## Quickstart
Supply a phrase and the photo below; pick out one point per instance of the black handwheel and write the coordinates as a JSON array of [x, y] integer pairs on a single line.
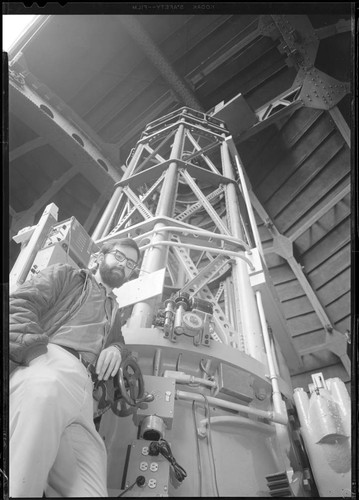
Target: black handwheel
[[130, 381], [125, 394]]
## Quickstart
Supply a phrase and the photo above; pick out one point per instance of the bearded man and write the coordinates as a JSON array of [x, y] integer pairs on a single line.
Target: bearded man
[[62, 321]]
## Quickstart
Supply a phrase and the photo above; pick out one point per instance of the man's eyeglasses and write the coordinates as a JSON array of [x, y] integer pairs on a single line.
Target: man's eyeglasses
[[120, 257]]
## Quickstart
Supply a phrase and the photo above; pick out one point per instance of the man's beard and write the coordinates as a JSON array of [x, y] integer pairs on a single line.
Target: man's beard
[[112, 276]]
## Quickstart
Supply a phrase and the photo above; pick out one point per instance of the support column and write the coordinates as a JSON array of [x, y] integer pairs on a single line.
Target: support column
[[156, 257], [247, 305], [107, 215]]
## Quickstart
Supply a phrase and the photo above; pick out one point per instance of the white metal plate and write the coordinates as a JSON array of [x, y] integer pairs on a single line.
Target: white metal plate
[[142, 288]]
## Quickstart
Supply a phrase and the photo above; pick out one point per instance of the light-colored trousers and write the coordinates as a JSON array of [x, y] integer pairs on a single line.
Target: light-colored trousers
[[54, 446]]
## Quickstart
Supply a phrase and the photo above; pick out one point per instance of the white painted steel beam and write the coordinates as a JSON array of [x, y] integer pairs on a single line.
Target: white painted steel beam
[[26, 148], [341, 123]]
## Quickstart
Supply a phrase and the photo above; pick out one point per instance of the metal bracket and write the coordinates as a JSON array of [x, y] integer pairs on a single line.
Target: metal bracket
[[299, 40], [17, 78], [320, 90], [318, 383]]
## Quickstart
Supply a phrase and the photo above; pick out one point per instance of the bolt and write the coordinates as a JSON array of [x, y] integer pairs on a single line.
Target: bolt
[[261, 395]]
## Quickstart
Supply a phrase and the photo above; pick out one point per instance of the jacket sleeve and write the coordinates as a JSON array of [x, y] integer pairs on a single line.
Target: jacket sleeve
[[27, 306], [116, 338]]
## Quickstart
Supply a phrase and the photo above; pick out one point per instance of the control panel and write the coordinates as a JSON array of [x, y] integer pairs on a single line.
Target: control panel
[[154, 469]]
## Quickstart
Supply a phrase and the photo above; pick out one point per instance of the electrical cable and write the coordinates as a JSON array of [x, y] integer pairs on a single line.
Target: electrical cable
[[208, 415], [140, 481], [201, 365], [163, 447], [198, 451]]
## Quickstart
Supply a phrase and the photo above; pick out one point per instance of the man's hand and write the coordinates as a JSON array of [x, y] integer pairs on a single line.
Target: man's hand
[[108, 362]]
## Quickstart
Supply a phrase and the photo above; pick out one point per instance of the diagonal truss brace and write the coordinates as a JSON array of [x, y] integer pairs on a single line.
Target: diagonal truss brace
[[200, 151], [198, 206], [151, 190], [203, 200], [225, 332], [140, 206], [206, 275]]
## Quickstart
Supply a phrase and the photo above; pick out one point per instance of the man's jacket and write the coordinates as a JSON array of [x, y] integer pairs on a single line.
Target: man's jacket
[[44, 303]]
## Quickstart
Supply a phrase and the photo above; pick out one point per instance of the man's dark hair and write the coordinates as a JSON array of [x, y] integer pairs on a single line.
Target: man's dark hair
[[126, 242]]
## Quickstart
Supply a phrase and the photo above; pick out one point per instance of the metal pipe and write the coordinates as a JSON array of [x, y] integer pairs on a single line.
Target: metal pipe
[[197, 247], [274, 356], [247, 199], [247, 305], [184, 378], [241, 422], [176, 229], [278, 403], [269, 415], [107, 215], [157, 363]]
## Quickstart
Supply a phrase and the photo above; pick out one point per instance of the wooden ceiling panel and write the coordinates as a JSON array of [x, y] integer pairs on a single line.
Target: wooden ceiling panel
[[281, 274], [303, 149], [330, 290], [326, 246], [326, 223], [311, 170], [345, 325], [297, 306], [339, 308], [331, 267], [299, 123], [289, 290], [304, 324], [197, 49]]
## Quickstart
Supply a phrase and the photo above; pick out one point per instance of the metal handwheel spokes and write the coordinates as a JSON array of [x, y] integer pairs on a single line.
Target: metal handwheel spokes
[[130, 381]]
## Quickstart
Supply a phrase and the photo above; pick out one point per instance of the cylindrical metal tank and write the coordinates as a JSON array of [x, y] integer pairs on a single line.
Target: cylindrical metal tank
[[325, 426]]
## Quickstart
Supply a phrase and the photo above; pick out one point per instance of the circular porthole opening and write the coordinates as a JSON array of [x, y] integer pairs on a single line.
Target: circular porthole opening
[[103, 164], [46, 110], [78, 139]]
